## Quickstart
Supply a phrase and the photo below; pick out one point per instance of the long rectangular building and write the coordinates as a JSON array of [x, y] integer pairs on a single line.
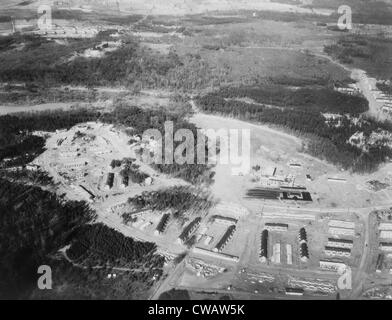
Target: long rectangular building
[[161, 227], [341, 231], [386, 246], [289, 253], [385, 226], [224, 220], [263, 256], [341, 224], [340, 243], [276, 253], [225, 238], [188, 230], [331, 265], [341, 252], [386, 234], [270, 226]]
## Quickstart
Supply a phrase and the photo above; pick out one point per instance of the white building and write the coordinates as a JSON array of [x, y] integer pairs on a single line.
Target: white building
[[386, 234], [279, 227], [331, 265], [341, 224], [341, 231]]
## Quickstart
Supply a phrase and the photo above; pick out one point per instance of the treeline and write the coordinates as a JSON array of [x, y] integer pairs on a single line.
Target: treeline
[[304, 99], [42, 95], [50, 63], [325, 139], [33, 225], [347, 49], [179, 199], [99, 245], [367, 52], [24, 151], [132, 65], [35, 177]]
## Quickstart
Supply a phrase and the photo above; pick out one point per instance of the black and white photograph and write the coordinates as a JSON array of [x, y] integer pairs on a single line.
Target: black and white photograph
[[172, 150]]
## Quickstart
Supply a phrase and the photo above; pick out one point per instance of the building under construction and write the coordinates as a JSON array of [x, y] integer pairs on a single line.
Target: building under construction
[[303, 245], [225, 238], [263, 256], [110, 180], [341, 252], [161, 227], [302, 236], [280, 227], [340, 243], [189, 229]]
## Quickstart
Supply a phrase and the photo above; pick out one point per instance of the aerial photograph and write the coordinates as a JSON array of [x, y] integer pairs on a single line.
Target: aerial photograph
[[195, 150]]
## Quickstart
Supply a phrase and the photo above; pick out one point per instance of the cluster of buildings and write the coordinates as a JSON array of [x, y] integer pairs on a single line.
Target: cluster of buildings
[[276, 247], [67, 32], [338, 246], [384, 98], [378, 137], [351, 89], [268, 177]]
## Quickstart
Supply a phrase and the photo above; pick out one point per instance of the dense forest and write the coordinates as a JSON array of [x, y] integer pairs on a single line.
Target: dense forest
[[17, 142], [325, 139], [40, 95], [307, 99], [178, 199], [367, 52], [34, 224], [99, 245]]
